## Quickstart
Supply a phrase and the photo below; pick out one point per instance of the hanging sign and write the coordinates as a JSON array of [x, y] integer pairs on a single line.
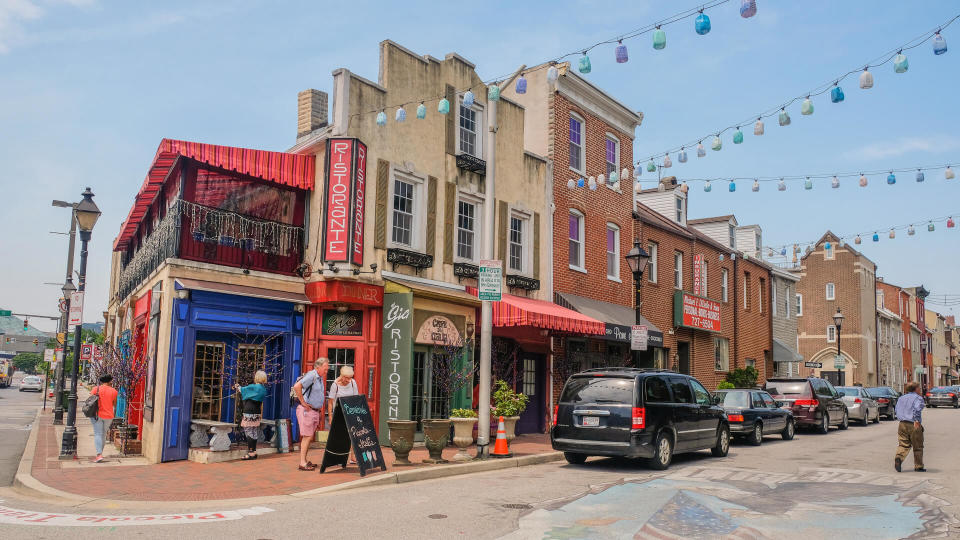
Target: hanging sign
[[489, 281], [76, 309], [343, 197], [639, 337], [438, 330], [48, 356], [348, 323], [692, 311], [396, 366], [352, 427], [86, 351], [698, 274]]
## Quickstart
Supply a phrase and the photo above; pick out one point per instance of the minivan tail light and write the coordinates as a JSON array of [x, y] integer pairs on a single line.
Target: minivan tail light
[[639, 418], [556, 408], [883, 400], [929, 394], [950, 394], [857, 400], [735, 417], [806, 403]]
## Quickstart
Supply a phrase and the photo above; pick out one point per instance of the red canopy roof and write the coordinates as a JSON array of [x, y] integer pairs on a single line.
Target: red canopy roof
[[520, 311], [291, 170]]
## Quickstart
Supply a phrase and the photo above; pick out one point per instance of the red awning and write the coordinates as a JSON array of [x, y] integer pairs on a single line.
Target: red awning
[[520, 311], [293, 170]]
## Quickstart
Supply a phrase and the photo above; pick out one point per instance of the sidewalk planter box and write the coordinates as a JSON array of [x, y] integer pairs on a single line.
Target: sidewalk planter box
[[436, 434], [130, 447], [463, 437], [401, 440]]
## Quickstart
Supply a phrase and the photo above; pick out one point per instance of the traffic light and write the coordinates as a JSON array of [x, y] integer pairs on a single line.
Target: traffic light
[[36, 341], [26, 324], [8, 340]]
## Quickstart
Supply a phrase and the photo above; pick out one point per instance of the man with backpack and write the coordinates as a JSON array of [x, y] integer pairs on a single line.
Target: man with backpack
[[310, 391]]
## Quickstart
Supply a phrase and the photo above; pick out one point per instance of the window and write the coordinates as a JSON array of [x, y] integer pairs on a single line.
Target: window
[[681, 390], [724, 284], [530, 376], [879, 298], [653, 265], [763, 294], [773, 304], [576, 143], [518, 227], [576, 240], [746, 291], [759, 242], [403, 198], [678, 270], [656, 390], [721, 354], [831, 291], [613, 252], [703, 278], [831, 334], [828, 252], [733, 236], [799, 304], [786, 304], [679, 208], [471, 140], [612, 155], [466, 229], [208, 380], [700, 393]]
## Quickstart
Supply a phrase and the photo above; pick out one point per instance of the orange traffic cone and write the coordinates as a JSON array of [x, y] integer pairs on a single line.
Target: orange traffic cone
[[500, 449]]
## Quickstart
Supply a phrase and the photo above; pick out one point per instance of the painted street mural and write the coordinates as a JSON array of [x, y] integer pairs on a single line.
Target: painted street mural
[[713, 503]]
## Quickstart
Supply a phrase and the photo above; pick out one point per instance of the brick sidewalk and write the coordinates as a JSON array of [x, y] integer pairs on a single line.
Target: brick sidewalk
[[275, 474]]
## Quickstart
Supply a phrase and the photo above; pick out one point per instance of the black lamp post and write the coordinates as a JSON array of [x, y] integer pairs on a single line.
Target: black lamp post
[[637, 260], [87, 214], [68, 289], [838, 322]]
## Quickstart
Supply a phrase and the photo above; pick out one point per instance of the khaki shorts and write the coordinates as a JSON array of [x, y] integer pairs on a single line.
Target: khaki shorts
[[308, 420]]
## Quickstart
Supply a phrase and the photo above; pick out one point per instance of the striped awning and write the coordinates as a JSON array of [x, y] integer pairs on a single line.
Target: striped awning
[[292, 170], [520, 311]]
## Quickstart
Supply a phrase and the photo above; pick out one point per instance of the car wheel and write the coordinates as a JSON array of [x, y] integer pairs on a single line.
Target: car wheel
[[932, 406], [756, 438], [825, 423], [663, 448], [574, 458], [788, 431], [866, 418], [876, 419], [845, 423], [723, 443], [956, 404]]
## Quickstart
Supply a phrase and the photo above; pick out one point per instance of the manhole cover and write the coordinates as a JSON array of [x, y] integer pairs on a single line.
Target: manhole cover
[[437, 516], [518, 506]]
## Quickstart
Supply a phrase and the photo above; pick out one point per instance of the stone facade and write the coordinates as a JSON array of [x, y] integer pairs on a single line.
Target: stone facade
[[889, 350]]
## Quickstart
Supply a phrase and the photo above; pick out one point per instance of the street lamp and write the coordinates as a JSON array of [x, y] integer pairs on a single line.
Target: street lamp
[[838, 322], [87, 213], [67, 289], [637, 260]]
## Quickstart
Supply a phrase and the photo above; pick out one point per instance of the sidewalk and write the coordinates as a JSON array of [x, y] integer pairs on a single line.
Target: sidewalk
[[271, 475]]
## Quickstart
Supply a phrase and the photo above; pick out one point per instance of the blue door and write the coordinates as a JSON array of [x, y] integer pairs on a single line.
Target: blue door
[[176, 424]]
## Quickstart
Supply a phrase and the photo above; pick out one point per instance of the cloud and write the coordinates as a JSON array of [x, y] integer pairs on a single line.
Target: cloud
[[15, 14], [902, 146]]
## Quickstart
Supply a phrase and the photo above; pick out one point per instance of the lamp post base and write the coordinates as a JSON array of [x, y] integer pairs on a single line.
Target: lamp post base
[[58, 415], [68, 445]]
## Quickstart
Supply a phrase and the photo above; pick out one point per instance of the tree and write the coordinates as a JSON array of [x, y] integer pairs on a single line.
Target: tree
[[28, 362], [743, 377]]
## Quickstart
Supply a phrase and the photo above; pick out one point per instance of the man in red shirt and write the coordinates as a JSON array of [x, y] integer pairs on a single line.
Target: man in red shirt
[[106, 403]]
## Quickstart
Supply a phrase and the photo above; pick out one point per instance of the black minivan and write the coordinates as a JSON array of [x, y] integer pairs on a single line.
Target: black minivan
[[630, 412]]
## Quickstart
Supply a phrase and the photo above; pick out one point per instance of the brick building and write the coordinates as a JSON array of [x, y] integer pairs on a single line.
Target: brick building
[[834, 276], [897, 301]]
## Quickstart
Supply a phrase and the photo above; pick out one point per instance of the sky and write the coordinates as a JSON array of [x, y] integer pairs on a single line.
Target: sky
[[90, 87]]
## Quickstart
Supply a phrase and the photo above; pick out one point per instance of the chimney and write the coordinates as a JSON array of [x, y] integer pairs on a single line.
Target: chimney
[[311, 111]]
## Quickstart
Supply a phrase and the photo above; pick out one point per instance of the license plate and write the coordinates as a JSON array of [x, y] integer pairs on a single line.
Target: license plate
[[591, 420]]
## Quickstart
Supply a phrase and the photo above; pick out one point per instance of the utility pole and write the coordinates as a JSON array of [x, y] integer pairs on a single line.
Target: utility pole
[[486, 308]]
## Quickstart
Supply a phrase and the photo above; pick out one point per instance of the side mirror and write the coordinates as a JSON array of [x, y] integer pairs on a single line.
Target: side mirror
[[780, 403]]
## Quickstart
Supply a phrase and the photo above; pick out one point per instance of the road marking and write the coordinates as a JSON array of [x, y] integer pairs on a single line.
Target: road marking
[[13, 516]]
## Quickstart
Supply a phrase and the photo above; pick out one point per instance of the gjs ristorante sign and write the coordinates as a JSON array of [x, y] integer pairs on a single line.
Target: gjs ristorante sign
[[345, 180]]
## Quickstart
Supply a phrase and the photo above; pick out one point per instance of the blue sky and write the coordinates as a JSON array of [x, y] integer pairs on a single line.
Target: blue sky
[[90, 87]]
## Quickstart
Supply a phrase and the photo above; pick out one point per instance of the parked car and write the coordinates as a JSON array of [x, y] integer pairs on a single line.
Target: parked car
[[631, 412], [943, 395], [814, 402], [31, 382], [753, 414], [886, 398], [859, 404]]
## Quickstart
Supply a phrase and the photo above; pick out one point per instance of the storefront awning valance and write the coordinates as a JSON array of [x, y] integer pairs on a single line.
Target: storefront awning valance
[[783, 353], [240, 290], [618, 319], [292, 170], [520, 311]]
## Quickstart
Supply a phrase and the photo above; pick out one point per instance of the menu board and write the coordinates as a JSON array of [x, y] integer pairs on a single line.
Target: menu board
[[352, 427]]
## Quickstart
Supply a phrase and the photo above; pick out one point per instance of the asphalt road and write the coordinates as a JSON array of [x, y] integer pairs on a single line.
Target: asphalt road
[[839, 485], [17, 412]]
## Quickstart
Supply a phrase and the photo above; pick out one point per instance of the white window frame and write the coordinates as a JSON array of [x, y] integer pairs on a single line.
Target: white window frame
[[583, 139], [725, 285], [580, 248], [653, 249], [615, 275], [786, 304], [732, 231], [830, 291], [828, 253], [678, 270], [799, 305], [481, 125], [679, 208], [418, 234], [773, 303], [724, 353], [525, 243], [831, 334], [880, 298], [477, 203], [616, 141]]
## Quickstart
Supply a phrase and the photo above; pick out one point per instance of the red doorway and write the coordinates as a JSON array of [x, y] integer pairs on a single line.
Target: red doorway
[[135, 403]]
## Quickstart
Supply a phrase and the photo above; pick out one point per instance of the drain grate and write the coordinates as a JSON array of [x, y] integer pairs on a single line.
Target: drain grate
[[517, 506], [437, 516]]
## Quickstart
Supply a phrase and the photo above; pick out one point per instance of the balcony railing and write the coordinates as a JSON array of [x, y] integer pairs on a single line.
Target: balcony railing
[[201, 233]]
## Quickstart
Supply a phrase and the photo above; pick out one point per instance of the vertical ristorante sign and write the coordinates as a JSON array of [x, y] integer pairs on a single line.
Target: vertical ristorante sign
[[346, 180], [396, 367]]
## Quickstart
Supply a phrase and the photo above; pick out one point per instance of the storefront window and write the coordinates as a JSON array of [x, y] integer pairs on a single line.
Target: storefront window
[[529, 376], [338, 358], [250, 359], [208, 380]]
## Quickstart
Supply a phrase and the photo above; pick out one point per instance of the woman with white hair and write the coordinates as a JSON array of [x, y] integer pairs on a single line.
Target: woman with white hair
[[342, 386], [252, 396]]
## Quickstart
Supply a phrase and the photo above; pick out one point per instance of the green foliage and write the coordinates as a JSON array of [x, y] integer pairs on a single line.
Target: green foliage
[[743, 377], [28, 362], [506, 402], [463, 413], [724, 385]]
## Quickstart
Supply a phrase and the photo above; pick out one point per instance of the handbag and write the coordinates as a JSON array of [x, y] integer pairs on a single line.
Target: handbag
[[91, 406]]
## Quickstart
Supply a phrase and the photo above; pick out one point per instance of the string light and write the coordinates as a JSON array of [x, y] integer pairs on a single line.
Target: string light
[[443, 107], [900, 63], [835, 183], [468, 99], [520, 86], [584, 65], [493, 92], [876, 237], [758, 127], [701, 25], [748, 8], [737, 136], [892, 234], [707, 187], [939, 44], [756, 186], [421, 111], [401, 115], [732, 187], [552, 74], [857, 240], [781, 185], [806, 108], [682, 155], [950, 223], [700, 151], [948, 173], [866, 79], [919, 175], [381, 118], [911, 231], [863, 181], [836, 94], [891, 179], [666, 162], [659, 39], [784, 117], [717, 144], [808, 184], [930, 227], [620, 53]]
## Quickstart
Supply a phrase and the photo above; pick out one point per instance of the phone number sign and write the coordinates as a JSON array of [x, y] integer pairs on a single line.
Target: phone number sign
[[691, 311]]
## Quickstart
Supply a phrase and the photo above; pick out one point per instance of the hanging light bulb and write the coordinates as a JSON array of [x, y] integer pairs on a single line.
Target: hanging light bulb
[[891, 179], [892, 234], [520, 86], [659, 39], [625, 174], [737, 136], [781, 185], [621, 53], [660, 187], [600, 179], [707, 187], [701, 25], [911, 231], [401, 114], [636, 173], [756, 186], [806, 108], [857, 240], [900, 63], [443, 107], [684, 187], [581, 182], [637, 188], [930, 227], [592, 183], [948, 173], [493, 92], [784, 117], [666, 162], [939, 44], [552, 74], [682, 155], [876, 237], [468, 99], [614, 178], [920, 177], [866, 79], [808, 184], [421, 111], [571, 183], [863, 180], [950, 223], [783, 252], [758, 127], [732, 187], [717, 144], [651, 166], [835, 183], [381, 118], [836, 93], [826, 245], [700, 150], [748, 8], [584, 65]]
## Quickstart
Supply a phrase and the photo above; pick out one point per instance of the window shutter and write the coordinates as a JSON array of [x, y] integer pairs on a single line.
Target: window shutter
[[431, 244], [451, 96], [502, 231], [380, 221], [449, 220], [536, 245]]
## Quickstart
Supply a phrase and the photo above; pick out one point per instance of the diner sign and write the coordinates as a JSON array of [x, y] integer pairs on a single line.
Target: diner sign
[[348, 323], [345, 177], [352, 427], [691, 311]]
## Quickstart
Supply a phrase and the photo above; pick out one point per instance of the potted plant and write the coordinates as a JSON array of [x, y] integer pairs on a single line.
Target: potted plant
[[463, 422], [509, 405]]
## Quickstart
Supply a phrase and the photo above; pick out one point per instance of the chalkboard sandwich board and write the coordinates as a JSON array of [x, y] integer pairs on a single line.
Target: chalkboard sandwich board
[[353, 427]]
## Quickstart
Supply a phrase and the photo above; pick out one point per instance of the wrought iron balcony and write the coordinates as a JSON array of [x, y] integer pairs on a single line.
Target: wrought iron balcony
[[515, 281], [471, 163], [413, 259]]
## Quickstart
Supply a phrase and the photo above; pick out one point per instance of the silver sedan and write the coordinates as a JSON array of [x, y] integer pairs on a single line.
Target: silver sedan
[[860, 406], [31, 382]]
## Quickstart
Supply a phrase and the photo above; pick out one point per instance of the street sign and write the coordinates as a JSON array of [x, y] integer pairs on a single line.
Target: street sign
[[61, 337], [638, 337], [86, 351], [839, 362], [813, 364], [76, 309], [5, 312], [489, 281], [62, 304], [48, 356]]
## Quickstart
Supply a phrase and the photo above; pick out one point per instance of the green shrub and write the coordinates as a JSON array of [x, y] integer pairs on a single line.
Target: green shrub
[[463, 413], [506, 402], [724, 385], [743, 377]]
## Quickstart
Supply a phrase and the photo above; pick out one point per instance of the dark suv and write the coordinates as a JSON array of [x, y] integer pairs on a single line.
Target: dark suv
[[813, 401], [631, 412]]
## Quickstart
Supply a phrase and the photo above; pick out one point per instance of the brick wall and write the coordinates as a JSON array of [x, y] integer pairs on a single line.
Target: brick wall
[[754, 324]]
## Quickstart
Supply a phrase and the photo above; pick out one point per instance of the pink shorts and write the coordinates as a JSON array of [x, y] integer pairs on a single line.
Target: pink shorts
[[308, 420]]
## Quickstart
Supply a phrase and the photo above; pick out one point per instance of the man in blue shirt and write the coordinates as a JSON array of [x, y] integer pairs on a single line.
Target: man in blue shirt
[[910, 433], [310, 391]]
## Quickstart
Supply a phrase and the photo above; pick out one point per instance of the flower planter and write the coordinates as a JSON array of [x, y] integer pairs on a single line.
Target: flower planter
[[401, 440], [463, 437], [436, 434], [510, 426]]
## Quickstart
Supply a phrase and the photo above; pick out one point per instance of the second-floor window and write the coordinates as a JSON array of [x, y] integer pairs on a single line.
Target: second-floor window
[[763, 294], [678, 270], [518, 227], [799, 304], [612, 155], [724, 284], [471, 140], [831, 291], [404, 194], [576, 240], [466, 229], [613, 252], [679, 205], [831, 334], [733, 236], [576, 143], [653, 264]]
